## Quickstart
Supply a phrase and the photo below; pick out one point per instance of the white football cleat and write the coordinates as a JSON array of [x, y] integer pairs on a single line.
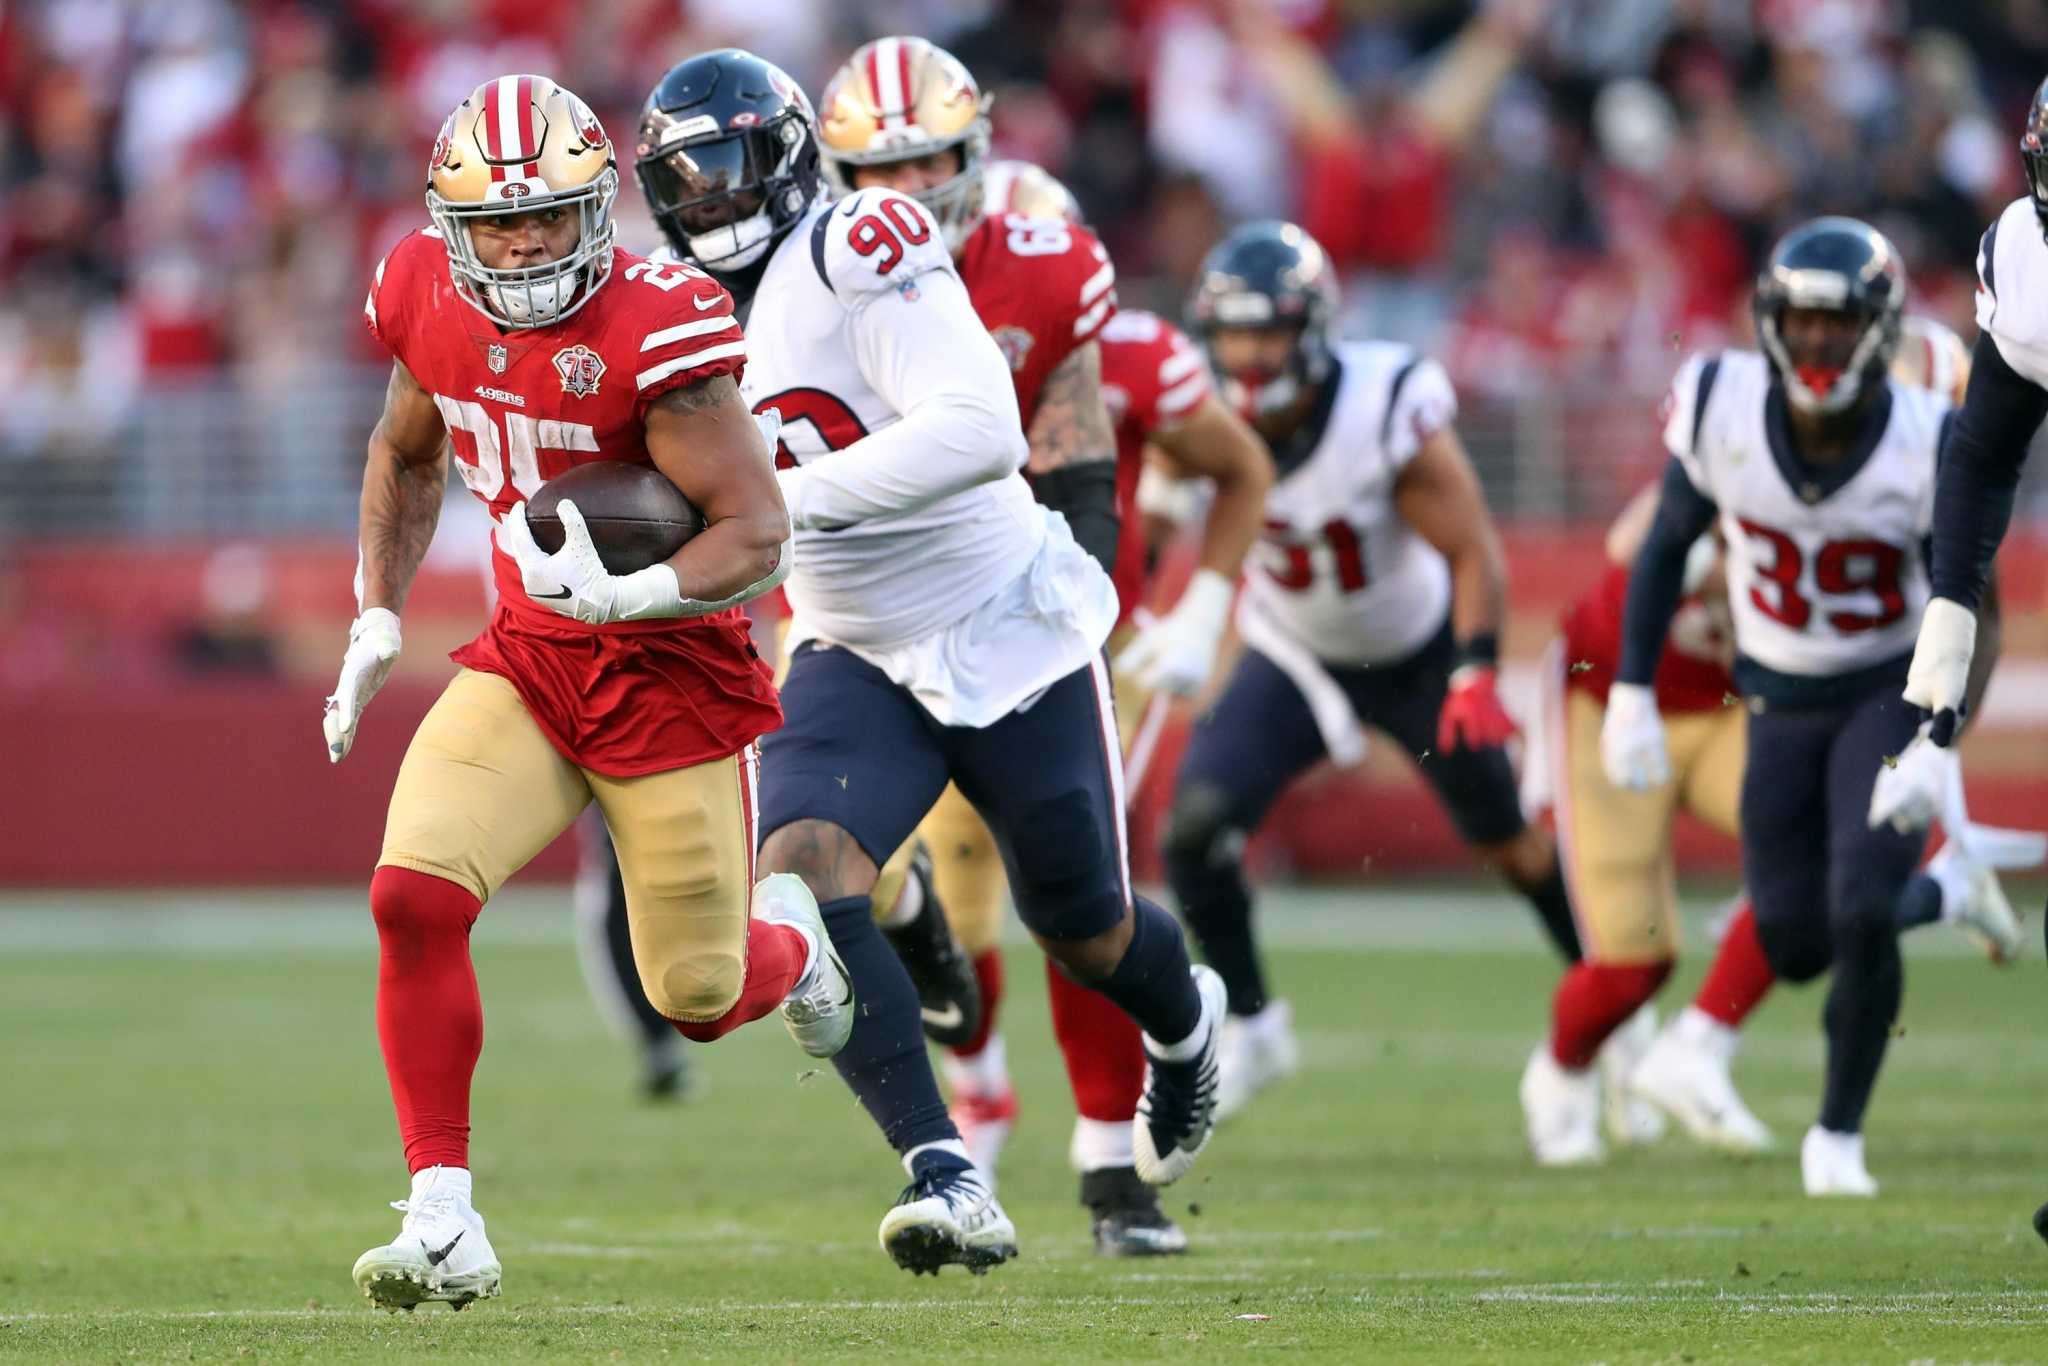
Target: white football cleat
[[1832, 1164], [1254, 1052], [1630, 1120], [440, 1252], [1177, 1112], [1973, 901], [1561, 1110], [951, 1219], [819, 1008], [1685, 1074]]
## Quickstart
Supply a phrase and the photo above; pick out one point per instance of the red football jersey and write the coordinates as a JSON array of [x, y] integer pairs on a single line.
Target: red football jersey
[[522, 407], [1691, 674], [1152, 377], [1043, 288]]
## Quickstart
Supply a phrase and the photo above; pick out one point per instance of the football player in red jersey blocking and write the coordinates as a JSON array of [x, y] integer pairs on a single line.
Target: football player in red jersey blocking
[[524, 338], [904, 114]]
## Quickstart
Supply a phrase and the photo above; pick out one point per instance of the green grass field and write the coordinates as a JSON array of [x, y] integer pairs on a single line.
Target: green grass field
[[195, 1143]]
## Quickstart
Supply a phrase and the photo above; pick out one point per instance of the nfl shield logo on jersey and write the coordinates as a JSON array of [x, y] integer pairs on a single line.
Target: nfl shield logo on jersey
[[495, 358], [581, 368]]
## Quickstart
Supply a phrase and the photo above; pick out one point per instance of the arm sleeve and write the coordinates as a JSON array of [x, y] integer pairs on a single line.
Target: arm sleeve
[[1656, 581], [1980, 469], [923, 350], [1085, 495]]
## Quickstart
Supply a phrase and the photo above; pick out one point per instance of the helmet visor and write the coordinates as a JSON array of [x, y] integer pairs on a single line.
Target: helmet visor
[[709, 185]]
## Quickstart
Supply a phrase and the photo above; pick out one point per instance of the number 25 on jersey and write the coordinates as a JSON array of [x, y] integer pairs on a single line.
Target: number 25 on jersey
[[514, 437]]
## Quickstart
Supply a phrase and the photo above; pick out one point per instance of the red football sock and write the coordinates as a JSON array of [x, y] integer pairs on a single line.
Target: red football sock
[[775, 960], [1740, 976], [988, 974], [1592, 1001], [430, 1020], [1105, 1053]]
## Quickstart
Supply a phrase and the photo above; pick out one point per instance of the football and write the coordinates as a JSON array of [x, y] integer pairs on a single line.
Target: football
[[636, 516]]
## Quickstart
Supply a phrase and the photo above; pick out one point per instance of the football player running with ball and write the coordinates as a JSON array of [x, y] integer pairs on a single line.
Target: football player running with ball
[[524, 338], [904, 114], [1819, 471], [1376, 598], [945, 626]]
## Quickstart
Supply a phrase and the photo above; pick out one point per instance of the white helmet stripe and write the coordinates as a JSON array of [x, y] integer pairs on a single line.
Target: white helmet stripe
[[511, 121], [888, 71]]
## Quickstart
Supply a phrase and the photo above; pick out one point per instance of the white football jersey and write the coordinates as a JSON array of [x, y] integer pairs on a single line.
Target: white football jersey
[[975, 600], [1827, 566], [887, 580], [1338, 571], [2012, 289]]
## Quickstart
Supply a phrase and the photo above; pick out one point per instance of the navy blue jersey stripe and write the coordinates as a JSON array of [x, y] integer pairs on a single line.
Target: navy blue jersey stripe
[[1709, 372], [818, 251], [1394, 397]]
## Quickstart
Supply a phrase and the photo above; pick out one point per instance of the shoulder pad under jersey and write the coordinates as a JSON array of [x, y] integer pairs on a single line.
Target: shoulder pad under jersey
[[874, 241]]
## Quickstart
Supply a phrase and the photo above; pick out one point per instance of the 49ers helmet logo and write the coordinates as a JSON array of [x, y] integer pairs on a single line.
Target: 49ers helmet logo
[[444, 145], [587, 126], [580, 368]]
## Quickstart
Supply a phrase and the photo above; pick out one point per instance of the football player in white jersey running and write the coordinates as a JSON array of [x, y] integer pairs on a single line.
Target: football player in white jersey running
[[1819, 471], [1375, 598], [945, 625]]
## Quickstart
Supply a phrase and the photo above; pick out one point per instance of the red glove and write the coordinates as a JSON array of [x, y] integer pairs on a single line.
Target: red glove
[[1472, 716]]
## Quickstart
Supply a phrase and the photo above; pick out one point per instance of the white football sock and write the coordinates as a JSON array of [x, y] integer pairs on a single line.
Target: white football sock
[[1099, 1144]]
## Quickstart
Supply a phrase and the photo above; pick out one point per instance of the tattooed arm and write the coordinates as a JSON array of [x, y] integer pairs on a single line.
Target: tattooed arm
[[402, 485], [1072, 465], [403, 482], [702, 436]]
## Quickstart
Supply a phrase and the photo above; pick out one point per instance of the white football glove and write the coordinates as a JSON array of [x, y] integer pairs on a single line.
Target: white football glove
[[1910, 789], [1632, 739], [1940, 672], [574, 582], [1177, 652], [373, 644]]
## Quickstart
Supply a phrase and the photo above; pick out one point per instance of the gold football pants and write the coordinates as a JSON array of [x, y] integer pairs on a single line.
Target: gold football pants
[[1616, 845], [482, 791]]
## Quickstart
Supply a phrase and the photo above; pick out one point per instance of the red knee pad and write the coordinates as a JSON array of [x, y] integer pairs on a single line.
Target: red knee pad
[[406, 903]]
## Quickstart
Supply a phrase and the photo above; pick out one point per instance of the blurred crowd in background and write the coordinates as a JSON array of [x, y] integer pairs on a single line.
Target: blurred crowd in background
[[1558, 197]]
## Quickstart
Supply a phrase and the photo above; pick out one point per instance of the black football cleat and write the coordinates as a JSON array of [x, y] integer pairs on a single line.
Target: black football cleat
[[2041, 1222], [948, 996], [1128, 1220], [667, 1075]]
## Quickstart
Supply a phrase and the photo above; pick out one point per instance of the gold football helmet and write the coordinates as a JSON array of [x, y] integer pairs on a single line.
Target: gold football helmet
[[898, 98], [1026, 188], [520, 144]]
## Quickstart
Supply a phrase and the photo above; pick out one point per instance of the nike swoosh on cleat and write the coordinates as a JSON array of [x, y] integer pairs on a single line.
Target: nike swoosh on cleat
[[435, 1258], [949, 1018], [566, 592]]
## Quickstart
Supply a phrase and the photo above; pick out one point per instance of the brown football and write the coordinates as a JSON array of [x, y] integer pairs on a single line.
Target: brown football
[[635, 515]]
